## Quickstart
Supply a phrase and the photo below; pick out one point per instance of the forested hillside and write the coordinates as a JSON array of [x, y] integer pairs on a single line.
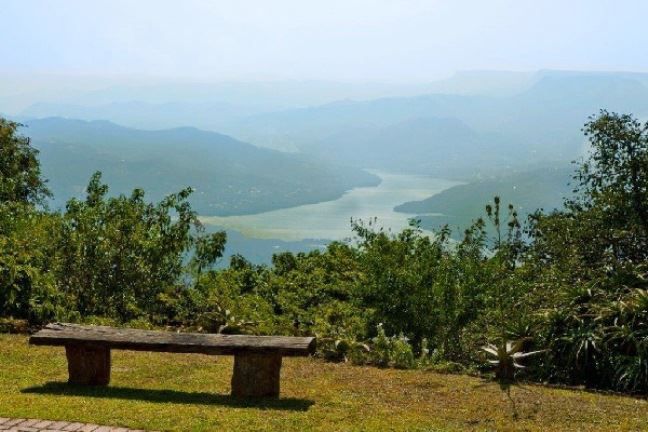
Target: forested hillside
[[542, 188], [228, 176]]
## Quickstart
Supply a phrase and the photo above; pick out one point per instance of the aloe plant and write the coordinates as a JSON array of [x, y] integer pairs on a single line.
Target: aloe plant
[[506, 356]]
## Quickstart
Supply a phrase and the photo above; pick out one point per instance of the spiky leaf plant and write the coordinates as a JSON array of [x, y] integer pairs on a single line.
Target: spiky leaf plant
[[505, 358]]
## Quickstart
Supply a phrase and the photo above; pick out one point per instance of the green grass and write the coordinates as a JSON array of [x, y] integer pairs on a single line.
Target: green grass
[[190, 393]]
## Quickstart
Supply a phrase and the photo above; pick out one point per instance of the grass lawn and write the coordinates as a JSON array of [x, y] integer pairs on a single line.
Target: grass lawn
[[190, 393]]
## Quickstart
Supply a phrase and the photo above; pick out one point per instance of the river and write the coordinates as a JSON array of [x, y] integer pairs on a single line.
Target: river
[[330, 220]]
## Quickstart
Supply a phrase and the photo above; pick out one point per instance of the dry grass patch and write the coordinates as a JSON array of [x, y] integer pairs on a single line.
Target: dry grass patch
[[190, 393]]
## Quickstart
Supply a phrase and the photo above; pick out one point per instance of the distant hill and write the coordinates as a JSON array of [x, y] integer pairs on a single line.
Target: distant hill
[[146, 115], [515, 119], [230, 177], [472, 124], [485, 82], [206, 106], [542, 188], [539, 122], [548, 116], [446, 147]]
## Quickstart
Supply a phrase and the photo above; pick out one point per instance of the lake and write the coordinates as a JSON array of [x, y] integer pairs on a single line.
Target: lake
[[331, 219]]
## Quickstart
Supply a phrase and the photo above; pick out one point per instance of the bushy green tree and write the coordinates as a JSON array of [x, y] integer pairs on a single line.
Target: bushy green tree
[[28, 263], [589, 261], [27, 283], [422, 287], [613, 187], [118, 255], [20, 175]]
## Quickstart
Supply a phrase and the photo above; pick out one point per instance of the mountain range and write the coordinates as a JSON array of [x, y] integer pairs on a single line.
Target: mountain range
[[510, 134], [540, 123], [229, 177]]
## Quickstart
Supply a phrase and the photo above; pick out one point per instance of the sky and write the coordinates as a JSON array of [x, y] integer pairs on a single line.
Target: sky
[[351, 40]]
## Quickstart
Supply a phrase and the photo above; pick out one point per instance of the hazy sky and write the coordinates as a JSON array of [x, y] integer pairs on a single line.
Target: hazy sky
[[328, 39]]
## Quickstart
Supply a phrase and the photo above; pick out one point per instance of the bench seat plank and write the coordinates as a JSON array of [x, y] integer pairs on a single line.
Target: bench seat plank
[[146, 340]]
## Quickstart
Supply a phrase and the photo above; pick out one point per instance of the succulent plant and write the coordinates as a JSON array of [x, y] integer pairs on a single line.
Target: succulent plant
[[506, 356]]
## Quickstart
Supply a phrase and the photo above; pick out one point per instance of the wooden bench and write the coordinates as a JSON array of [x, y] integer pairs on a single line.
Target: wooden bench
[[257, 359]]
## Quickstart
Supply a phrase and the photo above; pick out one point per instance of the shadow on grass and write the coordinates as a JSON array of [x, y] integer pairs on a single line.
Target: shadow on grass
[[169, 396]]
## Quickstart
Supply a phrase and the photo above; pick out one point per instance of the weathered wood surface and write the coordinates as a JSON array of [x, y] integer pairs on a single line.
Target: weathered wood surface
[[256, 375], [87, 364], [146, 340]]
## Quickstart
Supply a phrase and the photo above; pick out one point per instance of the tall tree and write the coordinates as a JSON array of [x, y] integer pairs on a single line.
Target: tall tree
[[27, 284], [614, 181], [20, 174]]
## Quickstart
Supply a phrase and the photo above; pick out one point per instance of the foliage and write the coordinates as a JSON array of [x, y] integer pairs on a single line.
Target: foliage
[[125, 253], [422, 287], [28, 283], [20, 176], [391, 351], [588, 265], [597, 334], [614, 182], [572, 283]]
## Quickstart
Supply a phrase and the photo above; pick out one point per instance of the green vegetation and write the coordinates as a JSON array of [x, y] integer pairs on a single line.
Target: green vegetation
[[571, 283], [21, 176], [178, 392], [229, 177], [543, 188]]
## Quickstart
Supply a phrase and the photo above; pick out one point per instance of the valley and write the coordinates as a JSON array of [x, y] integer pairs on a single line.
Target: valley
[[287, 166]]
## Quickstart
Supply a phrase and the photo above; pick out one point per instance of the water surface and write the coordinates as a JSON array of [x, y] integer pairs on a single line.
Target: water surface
[[331, 219]]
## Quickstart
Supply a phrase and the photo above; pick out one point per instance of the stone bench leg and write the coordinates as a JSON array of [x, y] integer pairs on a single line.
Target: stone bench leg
[[256, 375], [89, 365]]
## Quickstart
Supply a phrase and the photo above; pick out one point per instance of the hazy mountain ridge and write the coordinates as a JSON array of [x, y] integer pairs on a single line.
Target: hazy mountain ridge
[[229, 176], [542, 122], [540, 111], [446, 147], [147, 115]]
